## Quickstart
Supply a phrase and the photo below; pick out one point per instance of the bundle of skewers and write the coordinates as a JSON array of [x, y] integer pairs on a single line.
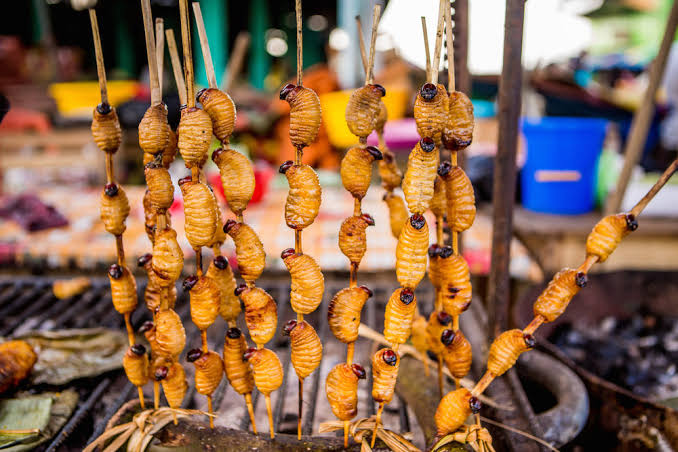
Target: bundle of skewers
[[344, 311], [301, 209]]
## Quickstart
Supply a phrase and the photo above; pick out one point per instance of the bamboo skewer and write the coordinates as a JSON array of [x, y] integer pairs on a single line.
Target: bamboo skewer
[[450, 48], [176, 65], [250, 411], [99, 54], [427, 50], [300, 408], [156, 95], [369, 76], [361, 42], [160, 49], [439, 43], [242, 42], [538, 320], [300, 42], [188, 58], [204, 46], [269, 412]]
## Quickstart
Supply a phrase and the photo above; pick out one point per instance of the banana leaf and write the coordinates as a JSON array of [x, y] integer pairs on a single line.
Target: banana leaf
[[66, 355], [34, 419]]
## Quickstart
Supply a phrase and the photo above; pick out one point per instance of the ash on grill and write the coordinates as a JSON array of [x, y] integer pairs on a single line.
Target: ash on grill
[[637, 353]]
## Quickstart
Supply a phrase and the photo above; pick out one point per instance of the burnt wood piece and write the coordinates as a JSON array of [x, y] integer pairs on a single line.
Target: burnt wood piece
[[191, 435]]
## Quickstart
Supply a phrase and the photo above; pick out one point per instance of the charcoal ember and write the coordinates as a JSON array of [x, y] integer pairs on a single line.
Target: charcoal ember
[[637, 352]]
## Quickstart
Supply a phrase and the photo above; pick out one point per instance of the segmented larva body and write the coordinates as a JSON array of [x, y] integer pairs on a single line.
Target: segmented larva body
[[606, 235], [106, 128], [456, 353], [390, 174], [307, 350], [261, 315], [237, 178], [248, 250], [434, 265], [170, 335], [153, 130], [123, 289], [419, 335], [151, 215], [458, 132], [455, 282], [154, 291], [221, 110], [431, 111], [352, 237], [397, 212], [174, 385], [506, 349], [303, 199], [343, 312], [168, 154], [237, 370], [305, 115], [382, 117], [554, 299], [160, 188], [438, 203], [135, 363], [209, 369], [199, 212], [205, 296], [114, 209], [195, 134], [308, 283], [356, 169], [399, 315], [452, 411], [229, 304], [266, 369], [411, 252], [363, 107], [461, 201], [341, 387], [168, 258], [437, 323], [385, 364], [219, 236], [420, 176]]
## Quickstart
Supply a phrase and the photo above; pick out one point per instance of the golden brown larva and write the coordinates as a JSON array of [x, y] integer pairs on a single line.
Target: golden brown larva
[[305, 114]]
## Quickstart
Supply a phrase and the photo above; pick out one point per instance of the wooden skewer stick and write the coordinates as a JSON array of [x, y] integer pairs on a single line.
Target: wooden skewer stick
[[250, 410], [101, 69], [188, 58], [346, 424], [156, 394], [663, 179], [450, 49], [204, 46], [270, 415], [441, 381], [242, 43], [428, 52], [176, 65], [209, 405], [300, 42], [369, 77], [377, 421], [160, 49], [361, 42], [156, 95], [439, 43], [142, 402], [301, 407]]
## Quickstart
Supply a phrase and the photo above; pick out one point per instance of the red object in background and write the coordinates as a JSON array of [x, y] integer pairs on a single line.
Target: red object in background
[[263, 173], [478, 261]]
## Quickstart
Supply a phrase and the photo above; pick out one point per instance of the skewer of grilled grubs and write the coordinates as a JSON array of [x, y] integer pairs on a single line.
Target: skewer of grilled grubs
[[268, 375]]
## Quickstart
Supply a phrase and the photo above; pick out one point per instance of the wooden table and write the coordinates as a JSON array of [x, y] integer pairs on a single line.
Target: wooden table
[[557, 241]]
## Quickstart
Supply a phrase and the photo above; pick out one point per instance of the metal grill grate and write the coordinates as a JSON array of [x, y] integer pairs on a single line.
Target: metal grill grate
[[28, 304]]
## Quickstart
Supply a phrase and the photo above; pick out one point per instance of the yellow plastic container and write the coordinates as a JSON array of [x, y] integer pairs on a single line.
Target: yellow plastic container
[[77, 99], [334, 107]]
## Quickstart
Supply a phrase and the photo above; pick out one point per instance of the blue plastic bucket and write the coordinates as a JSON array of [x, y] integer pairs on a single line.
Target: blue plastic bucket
[[559, 173]]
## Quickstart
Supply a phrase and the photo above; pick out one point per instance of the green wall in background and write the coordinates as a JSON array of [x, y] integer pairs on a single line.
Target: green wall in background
[[259, 60]]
